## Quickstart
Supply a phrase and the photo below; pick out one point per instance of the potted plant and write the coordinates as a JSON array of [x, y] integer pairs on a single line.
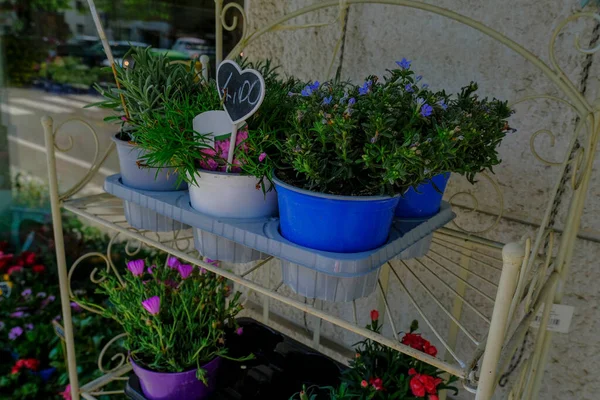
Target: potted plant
[[146, 84], [192, 135], [347, 159], [380, 372], [176, 317], [465, 133]]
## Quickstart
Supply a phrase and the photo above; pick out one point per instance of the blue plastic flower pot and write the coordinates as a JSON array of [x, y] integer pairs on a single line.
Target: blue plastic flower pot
[[341, 224], [425, 201]]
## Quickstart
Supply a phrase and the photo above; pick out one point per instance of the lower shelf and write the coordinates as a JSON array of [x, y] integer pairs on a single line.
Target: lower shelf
[[280, 368], [475, 294]]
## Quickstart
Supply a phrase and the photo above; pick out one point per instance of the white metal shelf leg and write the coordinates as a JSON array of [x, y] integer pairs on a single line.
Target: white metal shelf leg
[[61, 261], [512, 254]]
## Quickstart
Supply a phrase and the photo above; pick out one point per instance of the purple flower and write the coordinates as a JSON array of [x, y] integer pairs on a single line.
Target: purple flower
[[76, 307], [419, 77], [17, 314], [29, 327], [150, 269], [262, 157], [41, 294], [315, 86], [185, 270], [136, 267], [152, 305], [443, 104], [425, 85], [426, 110], [203, 271], [409, 88], [173, 262], [373, 139], [404, 64], [15, 332], [327, 100], [213, 262], [51, 298], [365, 88], [239, 331], [307, 91], [57, 318], [352, 101], [26, 293]]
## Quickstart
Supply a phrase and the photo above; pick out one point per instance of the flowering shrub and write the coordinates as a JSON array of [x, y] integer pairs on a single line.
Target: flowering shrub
[[384, 136], [379, 372], [175, 315]]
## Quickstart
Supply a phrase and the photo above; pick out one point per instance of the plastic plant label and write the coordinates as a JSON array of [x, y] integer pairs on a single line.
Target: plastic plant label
[[559, 319]]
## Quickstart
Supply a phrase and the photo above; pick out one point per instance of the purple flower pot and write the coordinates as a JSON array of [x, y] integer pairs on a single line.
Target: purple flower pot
[[177, 385]]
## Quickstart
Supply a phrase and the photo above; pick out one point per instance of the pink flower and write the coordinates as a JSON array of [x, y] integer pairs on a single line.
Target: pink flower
[[185, 270], [67, 393], [239, 331], [76, 307], [213, 262], [364, 383], [173, 262], [152, 305], [136, 267], [262, 157], [14, 268], [151, 269]]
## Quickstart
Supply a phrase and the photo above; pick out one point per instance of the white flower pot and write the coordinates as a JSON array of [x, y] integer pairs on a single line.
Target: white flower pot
[[231, 195]]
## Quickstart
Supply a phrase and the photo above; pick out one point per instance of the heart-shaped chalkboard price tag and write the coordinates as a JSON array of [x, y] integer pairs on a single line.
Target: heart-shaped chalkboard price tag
[[5, 289], [242, 91]]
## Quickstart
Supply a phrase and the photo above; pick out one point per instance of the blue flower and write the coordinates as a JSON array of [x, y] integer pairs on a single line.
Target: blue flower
[[443, 104], [291, 94], [420, 101], [426, 110], [307, 91], [409, 88], [419, 77], [315, 86], [352, 101], [327, 100], [425, 85], [373, 139], [365, 88], [404, 64]]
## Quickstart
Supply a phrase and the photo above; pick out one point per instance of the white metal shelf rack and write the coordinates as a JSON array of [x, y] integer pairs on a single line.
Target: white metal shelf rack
[[501, 287]]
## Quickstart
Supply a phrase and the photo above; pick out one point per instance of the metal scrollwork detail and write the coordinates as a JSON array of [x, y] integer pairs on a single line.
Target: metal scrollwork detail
[[121, 357], [476, 207]]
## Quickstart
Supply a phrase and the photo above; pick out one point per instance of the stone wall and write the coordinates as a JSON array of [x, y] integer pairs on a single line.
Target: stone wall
[[450, 55]]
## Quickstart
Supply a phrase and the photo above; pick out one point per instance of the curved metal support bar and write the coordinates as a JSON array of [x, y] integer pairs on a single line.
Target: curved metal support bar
[[119, 356], [476, 206]]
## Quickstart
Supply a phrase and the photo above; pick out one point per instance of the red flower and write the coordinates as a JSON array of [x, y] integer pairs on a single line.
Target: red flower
[[38, 269], [413, 340], [5, 259], [433, 397], [429, 383], [364, 383], [429, 349], [15, 370], [28, 257], [412, 372], [416, 386], [374, 315], [31, 363], [377, 383]]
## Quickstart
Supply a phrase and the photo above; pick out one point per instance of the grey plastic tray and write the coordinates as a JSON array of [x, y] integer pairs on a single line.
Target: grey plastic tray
[[141, 217], [311, 273]]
